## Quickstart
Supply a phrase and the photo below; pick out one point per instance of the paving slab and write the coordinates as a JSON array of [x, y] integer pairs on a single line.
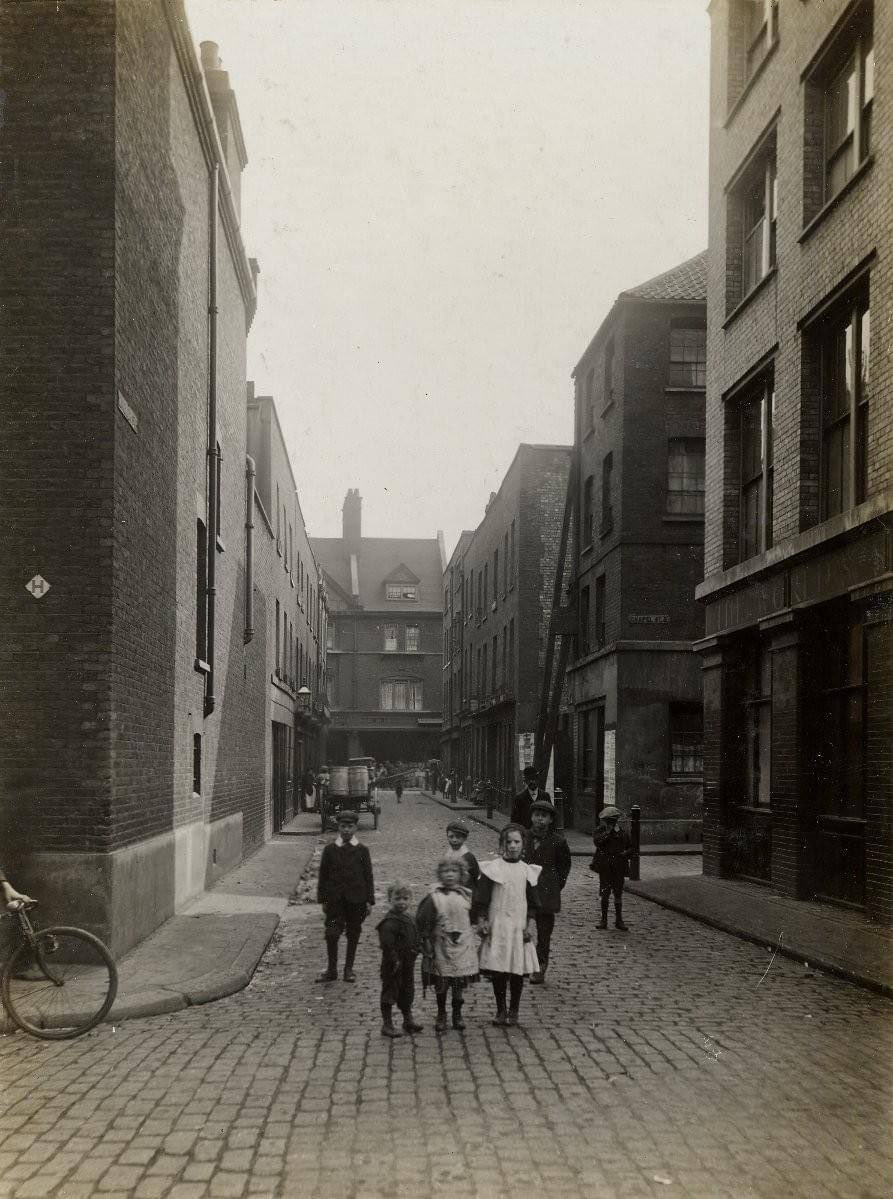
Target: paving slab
[[836, 940], [211, 948]]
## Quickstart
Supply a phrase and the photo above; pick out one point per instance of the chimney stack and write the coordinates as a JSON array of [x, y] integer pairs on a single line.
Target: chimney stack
[[351, 521], [226, 118]]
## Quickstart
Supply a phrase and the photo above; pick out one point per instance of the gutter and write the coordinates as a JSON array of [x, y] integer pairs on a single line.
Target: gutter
[[213, 465]]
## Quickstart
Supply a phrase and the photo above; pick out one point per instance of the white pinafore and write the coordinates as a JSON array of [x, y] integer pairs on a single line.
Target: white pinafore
[[504, 950], [455, 950]]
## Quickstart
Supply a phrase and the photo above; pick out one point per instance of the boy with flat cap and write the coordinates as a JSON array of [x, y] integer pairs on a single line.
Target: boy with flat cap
[[522, 801], [457, 835], [347, 894], [613, 849], [546, 847]]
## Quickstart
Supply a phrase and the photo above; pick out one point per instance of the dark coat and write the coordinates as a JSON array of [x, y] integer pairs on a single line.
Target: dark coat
[[613, 848], [521, 806], [400, 943], [554, 855], [345, 872]]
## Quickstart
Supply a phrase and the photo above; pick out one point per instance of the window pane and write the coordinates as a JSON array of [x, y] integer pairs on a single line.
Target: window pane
[[688, 358], [750, 520], [685, 475]]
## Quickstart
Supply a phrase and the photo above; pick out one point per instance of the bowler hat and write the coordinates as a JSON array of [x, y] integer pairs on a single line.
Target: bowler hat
[[457, 826], [542, 805], [347, 814], [530, 772], [610, 810]]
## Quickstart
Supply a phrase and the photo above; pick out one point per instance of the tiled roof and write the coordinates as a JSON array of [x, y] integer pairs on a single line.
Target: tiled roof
[[379, 558], [688, 281]]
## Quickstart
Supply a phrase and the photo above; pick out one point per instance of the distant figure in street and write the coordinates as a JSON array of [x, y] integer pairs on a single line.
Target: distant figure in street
[[522, 801], [613, 849], [546, 848], [400, 944], [398, 787], [347, 894], [449, 945], [457, 836], [504, 909]]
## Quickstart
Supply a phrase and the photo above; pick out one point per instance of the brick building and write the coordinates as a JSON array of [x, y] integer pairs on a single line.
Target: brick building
[[498, 597], [384, 641], [135, 702], [799, 453], [639, 429], [290, 614]]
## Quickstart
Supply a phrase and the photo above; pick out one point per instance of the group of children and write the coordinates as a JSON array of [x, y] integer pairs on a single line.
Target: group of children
[[493, 918]]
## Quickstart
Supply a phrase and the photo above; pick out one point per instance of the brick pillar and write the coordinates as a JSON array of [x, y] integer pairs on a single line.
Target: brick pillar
[[723, 682], [790, 860]]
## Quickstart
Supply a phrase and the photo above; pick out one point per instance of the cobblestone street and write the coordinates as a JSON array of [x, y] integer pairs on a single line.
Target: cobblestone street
[[671, 1060]]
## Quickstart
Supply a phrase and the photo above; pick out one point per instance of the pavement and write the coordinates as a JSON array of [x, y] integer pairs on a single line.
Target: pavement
[[669, 1060], [211, 948]]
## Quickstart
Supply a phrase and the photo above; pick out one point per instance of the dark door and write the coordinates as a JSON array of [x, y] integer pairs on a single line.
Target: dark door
[[283, 779]]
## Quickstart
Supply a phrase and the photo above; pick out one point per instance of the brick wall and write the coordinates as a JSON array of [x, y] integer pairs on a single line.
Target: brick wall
[[58, 405]]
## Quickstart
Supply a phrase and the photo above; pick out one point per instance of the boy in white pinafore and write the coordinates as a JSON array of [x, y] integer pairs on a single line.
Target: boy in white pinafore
[[504, 908]]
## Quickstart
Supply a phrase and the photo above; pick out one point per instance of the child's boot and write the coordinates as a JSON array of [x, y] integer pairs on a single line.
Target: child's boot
[[618, 916], [603, 923], [458, 1022], [387, 1023], [409, 1025], [512, 1017], [440, 1024], [501, 1018], [330, 974], [349, 976]]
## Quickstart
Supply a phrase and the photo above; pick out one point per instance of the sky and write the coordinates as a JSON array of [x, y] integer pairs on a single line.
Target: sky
[[445, 199]]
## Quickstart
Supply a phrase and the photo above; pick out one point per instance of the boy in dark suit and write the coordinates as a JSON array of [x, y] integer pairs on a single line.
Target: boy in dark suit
[[547, 848], [347, 894]]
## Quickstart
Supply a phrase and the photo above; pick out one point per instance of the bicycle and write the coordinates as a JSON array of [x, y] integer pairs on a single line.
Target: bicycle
[[59, 982]]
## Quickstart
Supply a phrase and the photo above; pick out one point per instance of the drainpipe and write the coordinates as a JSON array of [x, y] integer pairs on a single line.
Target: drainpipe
[[250, 475], [212, 434]]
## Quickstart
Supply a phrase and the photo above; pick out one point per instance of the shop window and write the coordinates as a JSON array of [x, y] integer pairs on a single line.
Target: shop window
[[686, 724], [687, 366], [841, 723], [685, 476], [591, 741]]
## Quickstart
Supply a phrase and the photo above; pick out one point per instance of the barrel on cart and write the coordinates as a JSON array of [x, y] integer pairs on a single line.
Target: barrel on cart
[[349, 787]]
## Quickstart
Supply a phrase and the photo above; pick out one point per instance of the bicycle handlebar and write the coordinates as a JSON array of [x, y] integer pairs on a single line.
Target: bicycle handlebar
[[18, 905]]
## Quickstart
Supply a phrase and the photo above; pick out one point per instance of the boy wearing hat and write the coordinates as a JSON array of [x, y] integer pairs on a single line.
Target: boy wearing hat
[[457, 835], [522, 801], [347, 894], [613, 849], [548, 849]]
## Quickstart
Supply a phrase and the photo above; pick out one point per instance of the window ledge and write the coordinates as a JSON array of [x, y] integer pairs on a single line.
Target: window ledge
[[685, 391], [607, 408], [201, 666], [754, 809], [749, 86], [755, 290], [862, 169], [683, 518], [681, 780], [586, 549]]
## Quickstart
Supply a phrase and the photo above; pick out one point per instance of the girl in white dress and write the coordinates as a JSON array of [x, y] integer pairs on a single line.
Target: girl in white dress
[[504, 908], [448, 940]]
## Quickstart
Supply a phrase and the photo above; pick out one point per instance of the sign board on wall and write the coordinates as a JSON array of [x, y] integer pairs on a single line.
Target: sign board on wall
[[609, 790], [525, 750]]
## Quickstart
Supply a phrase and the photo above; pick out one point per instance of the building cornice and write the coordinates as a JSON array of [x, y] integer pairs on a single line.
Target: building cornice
[[209, 139]]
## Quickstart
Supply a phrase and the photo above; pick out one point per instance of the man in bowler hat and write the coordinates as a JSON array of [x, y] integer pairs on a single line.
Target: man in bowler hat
[[531, 793]]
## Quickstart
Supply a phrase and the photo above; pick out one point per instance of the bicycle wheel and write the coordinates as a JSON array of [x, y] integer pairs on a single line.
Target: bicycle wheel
[[60, 985]]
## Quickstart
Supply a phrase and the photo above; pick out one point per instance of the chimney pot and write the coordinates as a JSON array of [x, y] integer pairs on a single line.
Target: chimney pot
[[210, 52]]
